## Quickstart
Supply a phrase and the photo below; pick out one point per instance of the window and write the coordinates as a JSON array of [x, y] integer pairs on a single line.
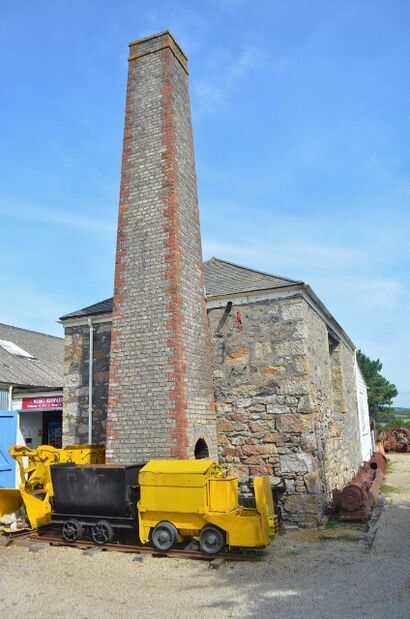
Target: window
[[13, 349]]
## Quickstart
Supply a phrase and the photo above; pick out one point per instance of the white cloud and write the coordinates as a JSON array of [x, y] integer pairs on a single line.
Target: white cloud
[[223, 79], [85, 223], [289, 242], [379, 293]]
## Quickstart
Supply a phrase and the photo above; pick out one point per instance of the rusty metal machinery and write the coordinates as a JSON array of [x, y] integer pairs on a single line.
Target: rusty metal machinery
[[397, 439], [357, 499], [378, 461]]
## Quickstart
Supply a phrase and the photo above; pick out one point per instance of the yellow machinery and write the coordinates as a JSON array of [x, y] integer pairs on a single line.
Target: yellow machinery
[[35, 482], [184, 498]]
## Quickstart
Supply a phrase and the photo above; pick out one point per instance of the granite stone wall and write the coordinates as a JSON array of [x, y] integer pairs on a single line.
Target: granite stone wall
[[265, 417], [76, 367], [334, 399], [278, 403]]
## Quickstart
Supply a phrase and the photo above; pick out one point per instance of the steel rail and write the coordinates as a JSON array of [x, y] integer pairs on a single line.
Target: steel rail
[[137, 549]]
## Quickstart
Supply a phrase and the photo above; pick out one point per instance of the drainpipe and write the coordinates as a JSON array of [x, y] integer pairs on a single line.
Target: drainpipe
[[90, 382], [10, 397]]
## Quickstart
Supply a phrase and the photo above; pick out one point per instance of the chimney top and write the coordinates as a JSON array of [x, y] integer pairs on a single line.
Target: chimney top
[[155, 43]]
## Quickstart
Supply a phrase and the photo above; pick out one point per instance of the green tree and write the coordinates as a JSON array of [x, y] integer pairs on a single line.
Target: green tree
[[380, 391]]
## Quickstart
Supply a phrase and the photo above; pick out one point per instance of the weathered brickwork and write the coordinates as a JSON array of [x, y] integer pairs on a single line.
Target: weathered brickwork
[[274, 402], [76, 368], [160, 394]]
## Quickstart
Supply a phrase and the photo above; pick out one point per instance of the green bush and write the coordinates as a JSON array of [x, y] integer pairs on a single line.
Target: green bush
[[394, 422]]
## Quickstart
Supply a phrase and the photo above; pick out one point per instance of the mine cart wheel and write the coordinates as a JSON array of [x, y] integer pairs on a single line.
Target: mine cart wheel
[[72, 530], [212, 540], [102, 532], [164, 535]]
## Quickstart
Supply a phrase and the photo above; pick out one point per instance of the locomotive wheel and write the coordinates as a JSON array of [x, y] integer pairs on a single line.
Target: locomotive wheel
[[212, 540], [164, 535], [102, 532], [72, 530]]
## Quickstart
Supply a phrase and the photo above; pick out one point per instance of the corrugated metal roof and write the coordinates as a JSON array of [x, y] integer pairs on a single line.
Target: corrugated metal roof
[[221, 278], [46, 369]]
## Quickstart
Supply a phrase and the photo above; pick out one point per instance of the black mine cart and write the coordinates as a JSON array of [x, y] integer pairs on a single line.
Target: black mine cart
[[99, 497]]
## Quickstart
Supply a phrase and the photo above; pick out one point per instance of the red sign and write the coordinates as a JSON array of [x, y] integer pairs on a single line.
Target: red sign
[[49, 401]]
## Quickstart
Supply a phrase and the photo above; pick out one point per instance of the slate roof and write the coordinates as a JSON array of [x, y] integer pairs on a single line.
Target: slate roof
[[221, 278], [103, 307], [47, 367]]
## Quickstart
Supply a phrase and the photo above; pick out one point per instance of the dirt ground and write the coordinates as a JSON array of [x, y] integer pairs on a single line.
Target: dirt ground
[[305, 575]]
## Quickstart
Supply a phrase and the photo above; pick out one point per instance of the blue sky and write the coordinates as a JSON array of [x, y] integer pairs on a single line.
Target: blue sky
[[301, 113]]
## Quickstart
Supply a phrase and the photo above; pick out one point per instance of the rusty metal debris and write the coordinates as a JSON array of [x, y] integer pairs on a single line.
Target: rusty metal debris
[[397, 439], [378, 461], [356, 500]]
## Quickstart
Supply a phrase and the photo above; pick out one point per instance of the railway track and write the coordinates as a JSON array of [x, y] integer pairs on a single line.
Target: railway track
[[52, 536]]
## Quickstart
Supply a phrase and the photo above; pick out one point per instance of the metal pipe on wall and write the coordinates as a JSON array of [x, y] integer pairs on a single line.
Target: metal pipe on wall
[[90, 382], [10, 403]]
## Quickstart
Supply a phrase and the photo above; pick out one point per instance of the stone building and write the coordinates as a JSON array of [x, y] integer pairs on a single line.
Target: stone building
[[285, 381], [262, 376]]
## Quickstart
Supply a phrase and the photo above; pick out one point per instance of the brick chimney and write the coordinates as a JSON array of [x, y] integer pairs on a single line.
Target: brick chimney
[[160, 391]]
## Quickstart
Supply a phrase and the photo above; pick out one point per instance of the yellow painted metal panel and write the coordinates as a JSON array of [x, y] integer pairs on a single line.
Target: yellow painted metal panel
[[10, 501], [38, 509], [178, 466], [245, 527], [173, 499], [173, 467], [223, 494], [264, 503], [178, 473], [83, 454], [172, 480], [263, 496]]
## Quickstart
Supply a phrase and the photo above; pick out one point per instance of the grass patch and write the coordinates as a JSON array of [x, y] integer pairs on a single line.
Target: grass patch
[[387, 489], [389, 467], [291, 553], [330, 523], [343, 537]]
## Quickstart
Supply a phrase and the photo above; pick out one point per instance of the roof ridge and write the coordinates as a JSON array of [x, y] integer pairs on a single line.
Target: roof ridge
[[105, 306], [240, 266], [3, 324]]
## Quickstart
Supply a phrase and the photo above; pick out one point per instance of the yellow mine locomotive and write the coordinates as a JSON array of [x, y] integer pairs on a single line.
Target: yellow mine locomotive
[[191, 498], [162, 501], [167, 500]]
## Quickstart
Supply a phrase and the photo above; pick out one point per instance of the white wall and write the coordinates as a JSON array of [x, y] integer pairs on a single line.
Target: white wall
[[364, 419]]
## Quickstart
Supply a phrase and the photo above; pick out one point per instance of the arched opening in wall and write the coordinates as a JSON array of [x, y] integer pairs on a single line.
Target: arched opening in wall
[[201, 450]]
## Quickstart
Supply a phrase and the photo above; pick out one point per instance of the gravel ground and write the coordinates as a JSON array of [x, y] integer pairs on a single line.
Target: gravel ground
[[305, 575]]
